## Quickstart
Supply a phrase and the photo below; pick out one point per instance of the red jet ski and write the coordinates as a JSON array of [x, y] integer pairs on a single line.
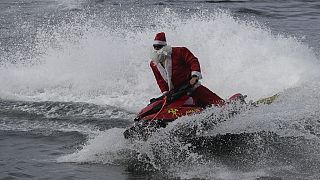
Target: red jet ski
[[165, 109]]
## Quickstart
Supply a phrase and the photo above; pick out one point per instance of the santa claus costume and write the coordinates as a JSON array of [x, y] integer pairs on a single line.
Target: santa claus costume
[[175, 66]]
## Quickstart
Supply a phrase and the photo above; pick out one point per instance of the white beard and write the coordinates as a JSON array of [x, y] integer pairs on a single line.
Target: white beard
[[159, 56]]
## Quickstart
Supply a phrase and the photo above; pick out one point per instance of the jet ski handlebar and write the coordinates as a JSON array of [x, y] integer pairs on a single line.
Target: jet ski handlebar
[[175, 94]]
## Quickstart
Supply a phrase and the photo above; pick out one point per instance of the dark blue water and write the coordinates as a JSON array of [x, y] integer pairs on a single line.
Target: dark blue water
[[74, 73]]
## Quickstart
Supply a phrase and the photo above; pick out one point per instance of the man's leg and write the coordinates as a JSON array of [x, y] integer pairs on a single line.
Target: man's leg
[[204, 97]]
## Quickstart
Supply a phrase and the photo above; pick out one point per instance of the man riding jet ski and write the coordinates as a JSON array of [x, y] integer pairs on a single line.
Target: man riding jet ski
[[176, 66], [177, 72]]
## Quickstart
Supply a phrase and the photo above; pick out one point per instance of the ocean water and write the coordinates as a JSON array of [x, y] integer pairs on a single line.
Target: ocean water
[[73, 74]]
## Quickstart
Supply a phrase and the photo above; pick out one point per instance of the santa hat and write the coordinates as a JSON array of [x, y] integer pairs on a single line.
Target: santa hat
[[160, 39]]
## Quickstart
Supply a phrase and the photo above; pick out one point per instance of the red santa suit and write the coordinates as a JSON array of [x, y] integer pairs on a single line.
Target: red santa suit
[[177, 69]]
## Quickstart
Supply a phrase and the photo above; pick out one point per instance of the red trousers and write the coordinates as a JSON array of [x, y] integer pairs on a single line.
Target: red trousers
[[204, 97]]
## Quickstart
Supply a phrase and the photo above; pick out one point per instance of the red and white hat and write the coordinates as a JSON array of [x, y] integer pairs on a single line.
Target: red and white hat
[[160, 39]]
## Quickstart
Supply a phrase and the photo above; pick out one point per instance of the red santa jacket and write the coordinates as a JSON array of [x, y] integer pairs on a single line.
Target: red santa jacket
[[178, 69]]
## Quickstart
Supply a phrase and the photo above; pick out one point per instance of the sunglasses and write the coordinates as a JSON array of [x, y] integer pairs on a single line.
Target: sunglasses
[[157, 46]]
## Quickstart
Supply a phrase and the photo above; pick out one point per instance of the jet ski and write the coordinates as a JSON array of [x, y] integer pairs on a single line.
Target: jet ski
[[165, 109]]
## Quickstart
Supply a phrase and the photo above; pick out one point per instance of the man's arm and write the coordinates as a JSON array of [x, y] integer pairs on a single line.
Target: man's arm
[[163, 85], [192, 62]]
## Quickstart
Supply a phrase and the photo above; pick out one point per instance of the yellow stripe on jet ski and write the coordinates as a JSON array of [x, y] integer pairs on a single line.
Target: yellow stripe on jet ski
[[267, 100]]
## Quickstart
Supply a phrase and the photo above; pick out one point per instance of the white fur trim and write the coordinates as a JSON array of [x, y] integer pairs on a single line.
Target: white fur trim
[[160, 42], [162, 72], [165, 92], [197, 73], [168, 66]]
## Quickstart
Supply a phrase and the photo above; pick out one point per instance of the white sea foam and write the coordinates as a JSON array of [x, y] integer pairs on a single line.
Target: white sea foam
[[83, 62], [106, 147]]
